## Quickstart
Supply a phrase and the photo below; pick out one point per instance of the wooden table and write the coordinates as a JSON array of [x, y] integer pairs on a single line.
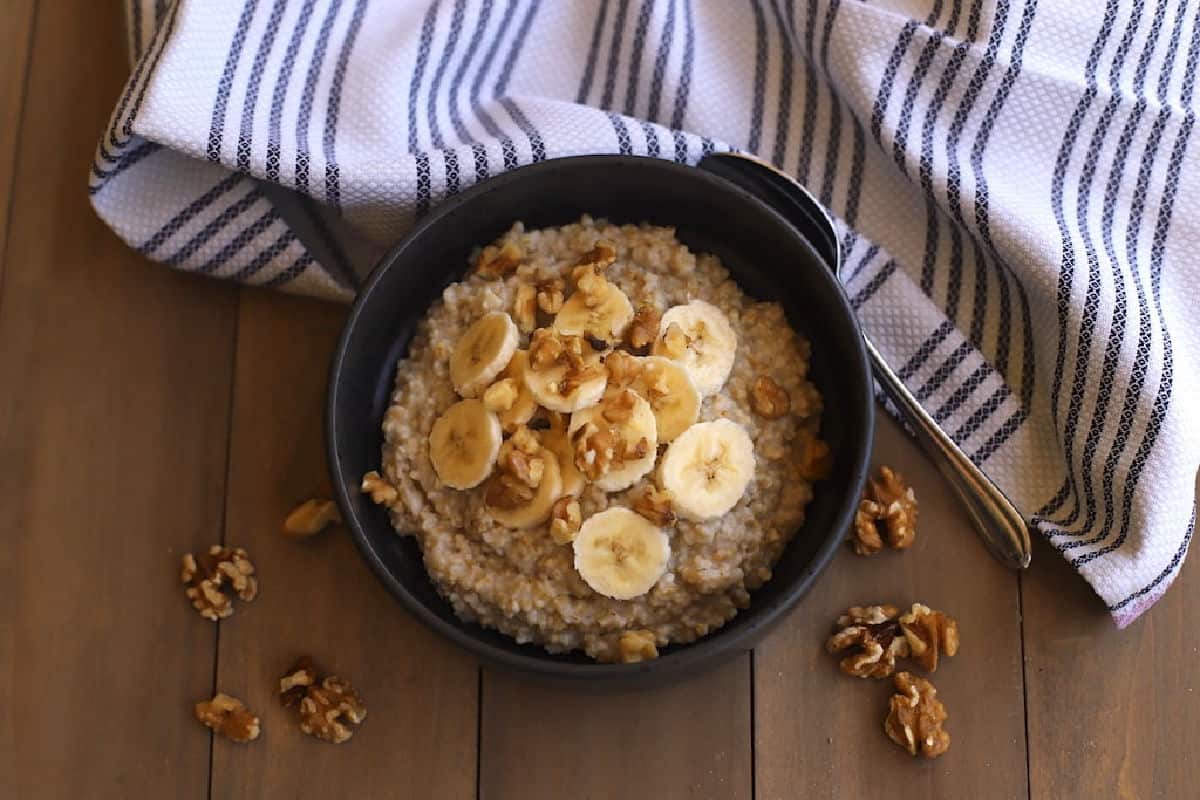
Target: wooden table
[[144, 414]]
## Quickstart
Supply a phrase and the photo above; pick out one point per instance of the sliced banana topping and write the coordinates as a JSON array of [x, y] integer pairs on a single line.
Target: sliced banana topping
[[621, 554], [564, 373], [597, 308], [672, 395], [482, 353], [556, 441], [464, 443], [615, 441], [527, 483], [698, 336], [707, 469]]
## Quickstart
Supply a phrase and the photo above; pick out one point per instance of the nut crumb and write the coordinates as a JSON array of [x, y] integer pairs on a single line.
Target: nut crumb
[[209, 576], [381, 492], [768, 399], [228, 717], [637, 646], [498, 261], [310, 518], [525, 308], [655, 505], [565, 519], [915, 717], [886, 514]]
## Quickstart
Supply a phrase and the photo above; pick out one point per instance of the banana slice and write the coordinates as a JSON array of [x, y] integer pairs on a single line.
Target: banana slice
[[514, 511], [597, 309], [615, 441], [621, 554], [556, 442], [699, 336], [708, 468], [483, 352], [524, 407], [569, 383], [464, 443], [668, 387]]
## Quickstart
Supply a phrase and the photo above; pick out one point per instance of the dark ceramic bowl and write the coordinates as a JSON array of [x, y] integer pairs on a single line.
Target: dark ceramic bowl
[[767, 255]]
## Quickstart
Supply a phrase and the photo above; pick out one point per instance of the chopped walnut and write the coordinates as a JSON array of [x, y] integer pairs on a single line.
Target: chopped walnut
[[381, 491], [929, 633], [644, 328], [498, 261], [619, 407], [229, 717], [598, 258], [622, 368], [310, 518], [565, 519], [519, 470], [887, 513], [595, 449], [768, 399], [815, 458], [636, 646], [550, 295], [329, 710], [501, 395], [675, 342], [549, 349], [873, 636], [295, 684], [209, 575], [655, 505], [525, 308], [915, 717]]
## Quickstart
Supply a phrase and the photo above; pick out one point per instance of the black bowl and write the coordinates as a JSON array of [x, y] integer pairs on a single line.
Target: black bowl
[[770, 260]]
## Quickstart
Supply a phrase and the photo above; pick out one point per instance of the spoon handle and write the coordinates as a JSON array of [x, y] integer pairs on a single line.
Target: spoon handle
[[997, 521]]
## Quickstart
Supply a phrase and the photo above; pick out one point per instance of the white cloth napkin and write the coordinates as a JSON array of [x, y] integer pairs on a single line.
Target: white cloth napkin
[[1012, 178]]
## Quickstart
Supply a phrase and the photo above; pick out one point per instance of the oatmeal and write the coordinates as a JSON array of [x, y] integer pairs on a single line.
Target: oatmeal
[[599, 441]]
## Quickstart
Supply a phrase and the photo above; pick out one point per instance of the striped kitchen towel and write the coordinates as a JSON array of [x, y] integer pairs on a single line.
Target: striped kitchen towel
[[1012, 179]]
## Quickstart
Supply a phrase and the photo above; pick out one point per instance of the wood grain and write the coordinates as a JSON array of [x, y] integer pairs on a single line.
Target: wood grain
[[1111, 713], [15, 41], [820, 733], [114, 390], [688, 740], [319, 598]]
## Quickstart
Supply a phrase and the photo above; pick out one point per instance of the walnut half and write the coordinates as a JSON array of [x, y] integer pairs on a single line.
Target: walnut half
[[330, 710], [229, 717], [210, 574], [929, 633], [873, 638], [887, 514], [915, 717]]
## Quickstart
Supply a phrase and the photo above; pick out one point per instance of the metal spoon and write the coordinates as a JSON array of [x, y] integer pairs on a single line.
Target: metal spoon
[[997, 521]]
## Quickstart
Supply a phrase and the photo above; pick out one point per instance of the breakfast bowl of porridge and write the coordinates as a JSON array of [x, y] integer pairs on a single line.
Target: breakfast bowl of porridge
[[601, 419]]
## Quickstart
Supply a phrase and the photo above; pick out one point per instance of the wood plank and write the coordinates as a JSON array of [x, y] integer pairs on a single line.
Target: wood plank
[[687, 740], [1111, 713], [16, 37], [115, 379], [318, 597], [819, 732]]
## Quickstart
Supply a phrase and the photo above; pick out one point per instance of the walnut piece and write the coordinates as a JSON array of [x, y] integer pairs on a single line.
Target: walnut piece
[[211, 574], [622, 368], [496, 261], [915, 717], [329, 710], [929, 633], [816, 459], [636, 646], [501, 395], [599, 445], [886, 514], [310, 518], [565, 519], [768, 399], [229, 717], [644, 328], [381, 491], [550, 295], [525, 308], [598, 258], [872, 635], [655, 505], [549, 350], [519, 470]]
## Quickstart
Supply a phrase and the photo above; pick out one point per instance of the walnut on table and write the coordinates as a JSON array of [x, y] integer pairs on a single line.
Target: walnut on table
[[228, 717], [310, 518], [929, 633], [212, 575], [915, 717], [876, 636], [887, 515], [329, 709]]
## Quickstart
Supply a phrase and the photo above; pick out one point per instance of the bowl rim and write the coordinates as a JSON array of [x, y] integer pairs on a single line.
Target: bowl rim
[[707, 651]]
